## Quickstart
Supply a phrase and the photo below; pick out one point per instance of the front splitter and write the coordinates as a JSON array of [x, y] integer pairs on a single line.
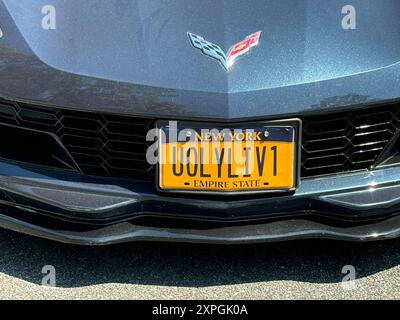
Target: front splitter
[[268, 232]]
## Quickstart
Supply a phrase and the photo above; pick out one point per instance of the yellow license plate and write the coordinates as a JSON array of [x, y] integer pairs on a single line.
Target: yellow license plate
[[228, 160]]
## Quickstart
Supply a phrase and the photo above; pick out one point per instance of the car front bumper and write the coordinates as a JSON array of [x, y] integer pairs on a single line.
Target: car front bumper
[[78, 209]]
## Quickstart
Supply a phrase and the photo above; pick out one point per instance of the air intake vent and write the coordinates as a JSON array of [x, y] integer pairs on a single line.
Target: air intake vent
[[101, 144], [346, 141], [113, 145], [33, 146]]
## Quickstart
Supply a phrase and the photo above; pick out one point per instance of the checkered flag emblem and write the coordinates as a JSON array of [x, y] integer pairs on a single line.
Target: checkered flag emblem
[[209, 49], [226, 59]]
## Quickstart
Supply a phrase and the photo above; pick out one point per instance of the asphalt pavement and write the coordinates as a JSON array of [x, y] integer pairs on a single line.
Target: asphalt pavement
[[309, 269]]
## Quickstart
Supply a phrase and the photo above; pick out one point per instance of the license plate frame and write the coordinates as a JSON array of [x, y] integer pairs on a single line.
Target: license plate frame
[[294, 123]]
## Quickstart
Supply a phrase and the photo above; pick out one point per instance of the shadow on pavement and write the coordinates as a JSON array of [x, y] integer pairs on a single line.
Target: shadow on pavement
[[191, 265]]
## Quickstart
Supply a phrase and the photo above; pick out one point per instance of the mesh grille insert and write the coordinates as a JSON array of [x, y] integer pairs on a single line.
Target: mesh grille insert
[[346, 141], [113, 145], [101, 144]]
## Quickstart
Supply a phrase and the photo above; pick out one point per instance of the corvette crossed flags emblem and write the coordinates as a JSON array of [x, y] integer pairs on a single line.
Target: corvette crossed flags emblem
[[214, 51]]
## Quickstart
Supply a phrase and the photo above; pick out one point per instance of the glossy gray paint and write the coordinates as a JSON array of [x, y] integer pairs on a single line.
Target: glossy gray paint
[[134, 57]]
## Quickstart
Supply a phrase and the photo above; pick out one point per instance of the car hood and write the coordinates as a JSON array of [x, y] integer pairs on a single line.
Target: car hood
[[145, 43]]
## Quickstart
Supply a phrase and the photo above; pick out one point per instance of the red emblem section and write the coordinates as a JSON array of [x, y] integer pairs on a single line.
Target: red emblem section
[[243, 47]]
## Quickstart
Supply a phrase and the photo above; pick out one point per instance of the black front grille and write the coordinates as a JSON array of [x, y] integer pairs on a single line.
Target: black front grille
[[101, 144], [113, 145], [346, 141]]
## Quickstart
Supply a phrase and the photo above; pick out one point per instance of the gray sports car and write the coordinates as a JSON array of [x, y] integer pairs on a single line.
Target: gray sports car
[[221, 121]]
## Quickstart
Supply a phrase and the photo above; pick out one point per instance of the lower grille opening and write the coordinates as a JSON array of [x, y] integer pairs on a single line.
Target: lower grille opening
[[100, 144], [112, 145], [348, 140], [34, 147]]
